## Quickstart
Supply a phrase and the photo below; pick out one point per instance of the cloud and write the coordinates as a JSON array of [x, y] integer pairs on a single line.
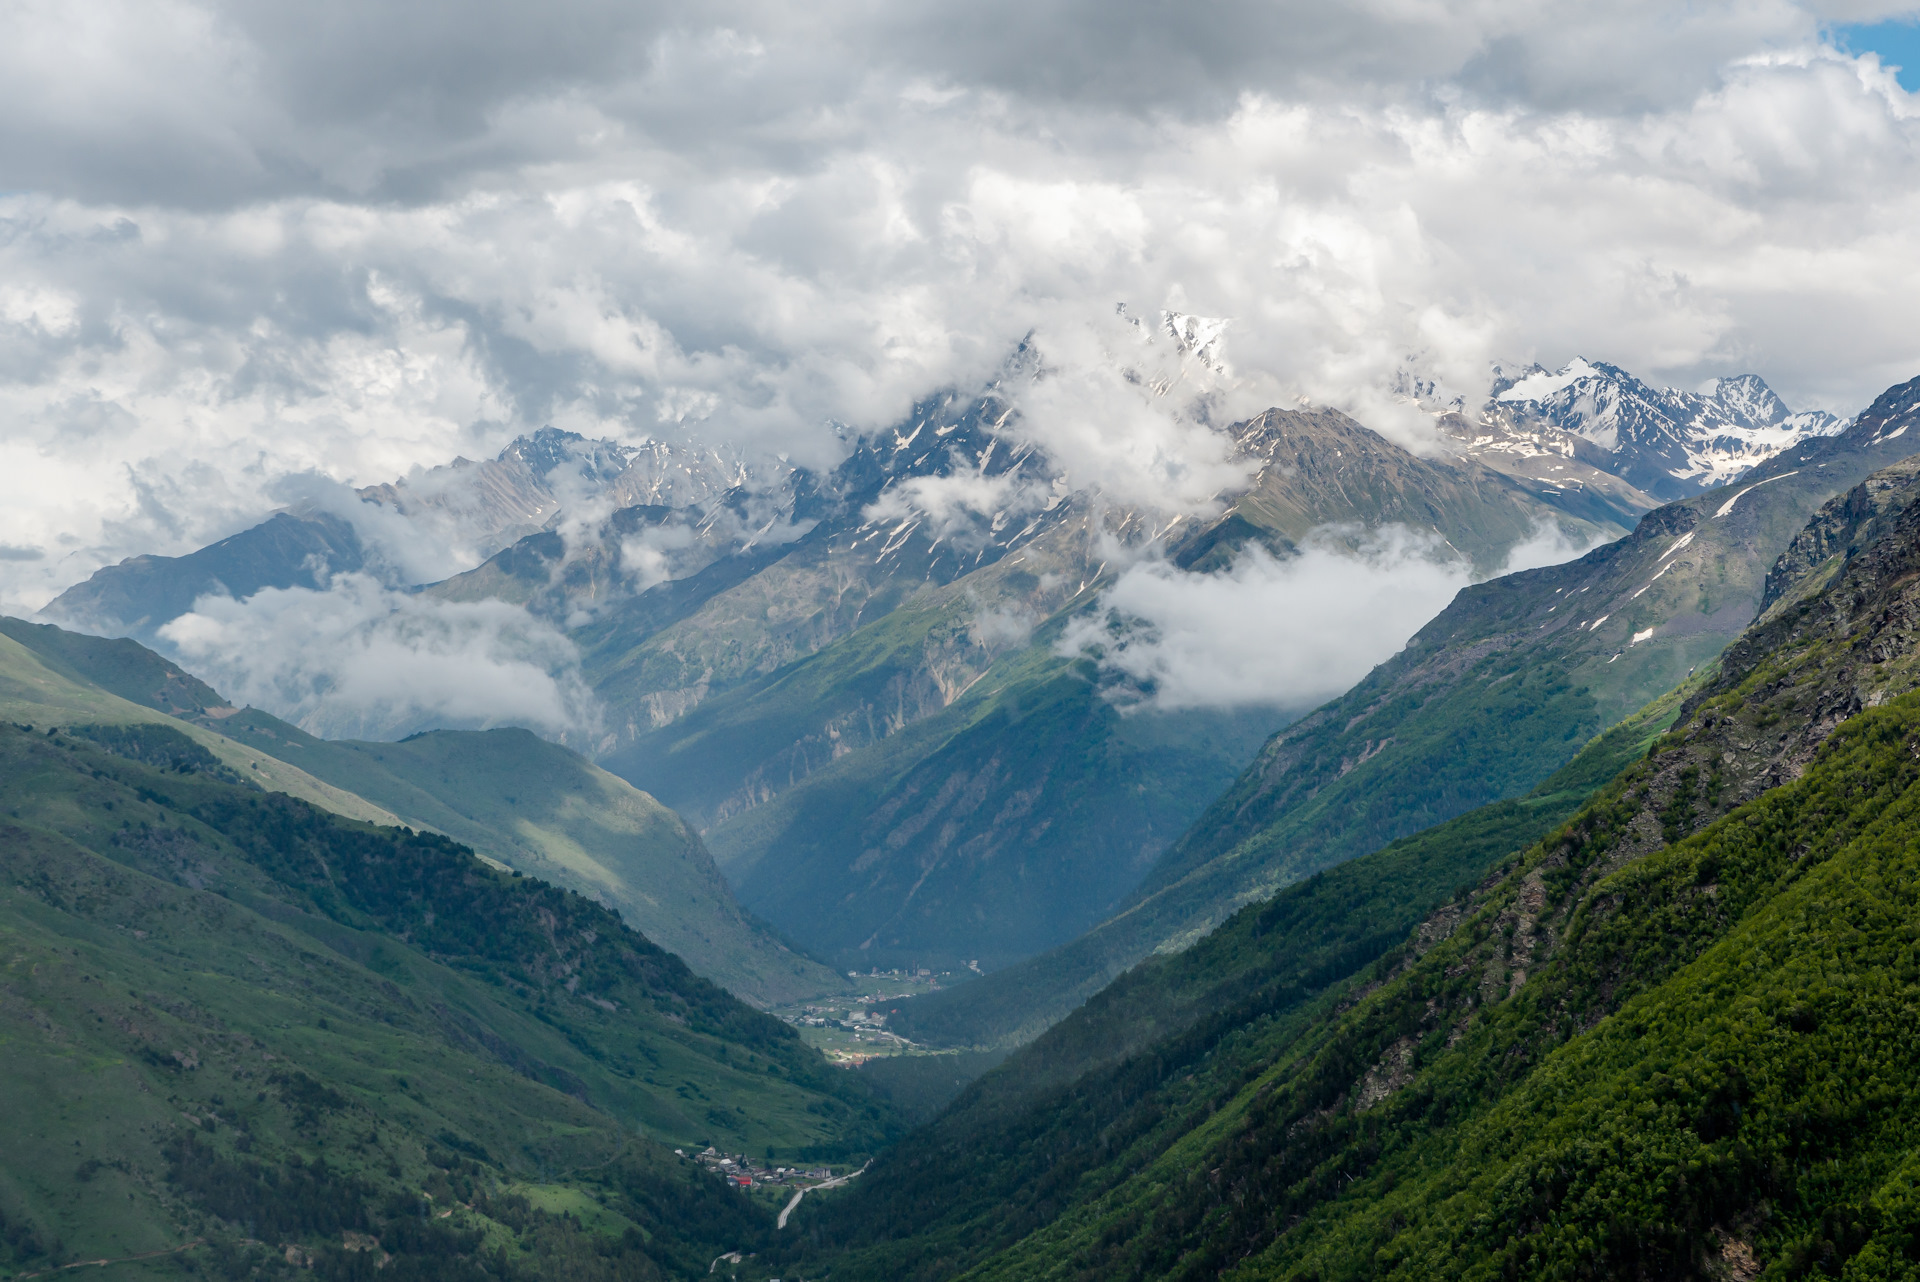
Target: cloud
[[1130, 408], [401, 550], [1289, 633], [1001, 628], [960, 508], [244, 242], [649, 556], [362, 661], [226, 101]]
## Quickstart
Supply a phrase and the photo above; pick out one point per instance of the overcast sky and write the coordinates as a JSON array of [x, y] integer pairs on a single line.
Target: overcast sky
[[245, 240]]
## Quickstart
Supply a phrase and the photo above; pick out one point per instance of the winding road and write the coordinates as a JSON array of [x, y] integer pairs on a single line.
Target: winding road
[[781, 1223]]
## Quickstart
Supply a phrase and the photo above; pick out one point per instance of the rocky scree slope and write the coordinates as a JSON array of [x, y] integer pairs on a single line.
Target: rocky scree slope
[[1844, 525]]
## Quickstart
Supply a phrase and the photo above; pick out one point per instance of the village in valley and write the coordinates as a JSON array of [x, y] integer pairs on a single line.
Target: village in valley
[[850, 1028], [743, 1172]]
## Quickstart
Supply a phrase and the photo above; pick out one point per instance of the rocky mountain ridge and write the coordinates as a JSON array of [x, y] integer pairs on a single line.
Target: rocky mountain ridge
[[1666, 442]]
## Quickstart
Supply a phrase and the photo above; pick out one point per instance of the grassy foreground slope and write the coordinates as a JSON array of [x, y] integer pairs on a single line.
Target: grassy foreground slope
[[231, 1016], [1671, 1040], [1487, 700], [41, 690], [531, 805]]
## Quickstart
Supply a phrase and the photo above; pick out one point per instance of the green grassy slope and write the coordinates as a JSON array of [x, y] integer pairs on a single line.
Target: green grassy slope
[[1485, 702], [512, 796], [42, 690], [1670, 1040], [1709, 1065], [230, 1015], [546, 811]]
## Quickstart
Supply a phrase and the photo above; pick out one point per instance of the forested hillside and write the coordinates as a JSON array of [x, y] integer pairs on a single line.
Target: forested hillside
[[1671, 1039], [235, 1019], [527, 804]]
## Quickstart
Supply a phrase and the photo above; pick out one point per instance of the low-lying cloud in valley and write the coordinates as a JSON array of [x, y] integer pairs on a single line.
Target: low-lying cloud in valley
[[360, 660], [1287, 632]]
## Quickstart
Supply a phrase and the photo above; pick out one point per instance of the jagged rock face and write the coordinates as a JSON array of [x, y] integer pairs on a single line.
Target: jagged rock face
[[489, 505], [1846, 524], [1666, 442]]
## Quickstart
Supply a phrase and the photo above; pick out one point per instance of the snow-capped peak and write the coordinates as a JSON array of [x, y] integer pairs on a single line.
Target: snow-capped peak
[[1202, 337], [1748, 397], [1669, 443], [1543, 383]]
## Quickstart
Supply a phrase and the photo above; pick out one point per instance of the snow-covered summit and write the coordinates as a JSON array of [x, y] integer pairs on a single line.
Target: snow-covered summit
[[1667, 442]]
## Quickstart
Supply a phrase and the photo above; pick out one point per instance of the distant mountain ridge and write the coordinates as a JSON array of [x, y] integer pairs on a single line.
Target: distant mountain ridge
[[142, 594], [1669, 443]]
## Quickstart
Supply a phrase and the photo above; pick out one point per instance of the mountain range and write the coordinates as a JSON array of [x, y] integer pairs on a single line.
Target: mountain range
[[823, 672], [1669, 443], [1574, 940]]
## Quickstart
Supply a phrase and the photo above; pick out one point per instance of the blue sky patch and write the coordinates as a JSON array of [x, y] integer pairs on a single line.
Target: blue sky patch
[[1896, 40]]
